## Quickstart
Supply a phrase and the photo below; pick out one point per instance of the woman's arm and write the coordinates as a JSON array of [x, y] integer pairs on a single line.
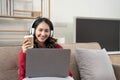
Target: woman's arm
[[21, 65], [22, 59], [70, 73], [58, 46]]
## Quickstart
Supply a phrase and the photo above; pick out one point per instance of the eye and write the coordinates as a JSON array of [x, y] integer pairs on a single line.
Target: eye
[[47, 30], [40, 30]]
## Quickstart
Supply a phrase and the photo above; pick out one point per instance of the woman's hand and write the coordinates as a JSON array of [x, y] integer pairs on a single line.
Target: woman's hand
[[25, 45]]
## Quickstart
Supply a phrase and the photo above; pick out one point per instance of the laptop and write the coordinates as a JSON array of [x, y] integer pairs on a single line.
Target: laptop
[[47, 62]]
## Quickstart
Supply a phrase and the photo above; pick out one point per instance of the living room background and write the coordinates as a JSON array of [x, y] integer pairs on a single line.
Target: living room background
[[64, 12]]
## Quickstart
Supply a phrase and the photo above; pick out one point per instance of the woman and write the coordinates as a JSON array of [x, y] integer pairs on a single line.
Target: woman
[[42, 39]]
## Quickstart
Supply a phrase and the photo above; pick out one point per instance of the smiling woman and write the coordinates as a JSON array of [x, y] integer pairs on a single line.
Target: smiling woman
[[43, 38], [43, 28]]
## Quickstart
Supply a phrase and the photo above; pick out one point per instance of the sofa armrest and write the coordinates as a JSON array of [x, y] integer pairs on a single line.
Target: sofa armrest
[[116, 68]]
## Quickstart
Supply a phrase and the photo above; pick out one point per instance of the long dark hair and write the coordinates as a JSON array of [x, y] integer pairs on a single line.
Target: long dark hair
[[50, 42]]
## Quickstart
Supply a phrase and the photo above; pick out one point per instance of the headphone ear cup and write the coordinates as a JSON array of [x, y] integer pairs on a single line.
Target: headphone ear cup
[[31, 31], [51, 34]]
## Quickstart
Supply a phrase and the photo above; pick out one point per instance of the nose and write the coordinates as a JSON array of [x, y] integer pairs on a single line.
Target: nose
[[43, 33]]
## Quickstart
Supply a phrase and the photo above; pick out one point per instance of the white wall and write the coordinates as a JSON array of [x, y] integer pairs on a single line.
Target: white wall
[[64, 12]]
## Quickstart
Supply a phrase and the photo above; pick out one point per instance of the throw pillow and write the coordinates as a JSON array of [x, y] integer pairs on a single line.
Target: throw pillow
[[94, 65]]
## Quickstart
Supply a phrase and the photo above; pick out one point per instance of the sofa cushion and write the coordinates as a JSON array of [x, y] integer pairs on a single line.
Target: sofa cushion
[[94, 65], [73, 63]]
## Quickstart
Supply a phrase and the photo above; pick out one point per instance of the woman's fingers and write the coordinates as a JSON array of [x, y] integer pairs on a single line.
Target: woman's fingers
[[25, 45], [26, 40]]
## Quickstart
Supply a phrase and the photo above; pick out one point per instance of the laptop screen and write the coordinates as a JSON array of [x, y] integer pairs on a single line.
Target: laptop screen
[[47, 62]]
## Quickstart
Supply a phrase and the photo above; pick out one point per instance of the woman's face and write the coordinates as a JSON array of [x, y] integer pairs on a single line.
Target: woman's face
[[42, 32]]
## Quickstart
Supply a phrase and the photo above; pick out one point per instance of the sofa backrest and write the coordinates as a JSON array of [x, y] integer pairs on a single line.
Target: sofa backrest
[[73, 46], [9, 62]]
